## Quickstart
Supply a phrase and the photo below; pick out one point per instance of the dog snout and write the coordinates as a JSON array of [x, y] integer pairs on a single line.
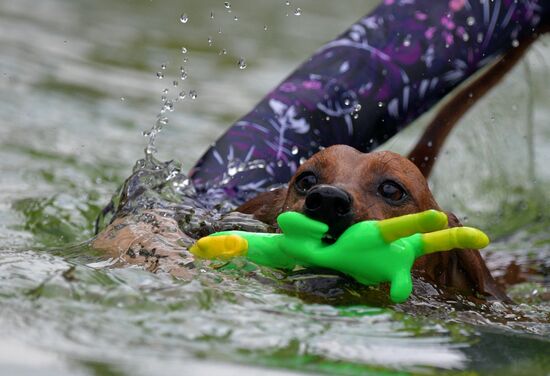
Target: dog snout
[[331, 205]]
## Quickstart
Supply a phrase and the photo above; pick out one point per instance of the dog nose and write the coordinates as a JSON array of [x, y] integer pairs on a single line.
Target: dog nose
[[331, 205]]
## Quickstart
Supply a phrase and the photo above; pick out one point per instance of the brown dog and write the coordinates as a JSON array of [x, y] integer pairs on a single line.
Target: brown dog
[[341, 186], [358, 186]]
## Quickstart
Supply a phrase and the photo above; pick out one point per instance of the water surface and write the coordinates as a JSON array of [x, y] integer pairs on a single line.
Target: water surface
[[78, 86]]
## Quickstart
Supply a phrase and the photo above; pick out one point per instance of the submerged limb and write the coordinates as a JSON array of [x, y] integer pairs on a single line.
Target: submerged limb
[[156, 243]]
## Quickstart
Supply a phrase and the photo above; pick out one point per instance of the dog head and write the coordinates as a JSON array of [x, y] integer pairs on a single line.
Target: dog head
[[341, 186]]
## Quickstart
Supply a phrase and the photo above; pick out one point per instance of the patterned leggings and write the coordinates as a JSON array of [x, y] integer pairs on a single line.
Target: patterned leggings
[[363, 87]]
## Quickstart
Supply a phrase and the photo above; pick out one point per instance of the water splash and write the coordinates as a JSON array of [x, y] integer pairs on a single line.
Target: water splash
[[183, 73], [241, 63]]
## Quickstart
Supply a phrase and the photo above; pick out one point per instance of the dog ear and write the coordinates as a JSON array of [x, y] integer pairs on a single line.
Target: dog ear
[[266, 206], [470, 261], [463, 270]]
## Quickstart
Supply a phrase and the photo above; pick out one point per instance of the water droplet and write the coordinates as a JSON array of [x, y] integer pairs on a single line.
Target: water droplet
[[235, 18], [294, 150], [227, 5], [150, 150], [183, 74], [380, 104], [280, 163], [212, 15], [185, 60], [479, 37], [220, 30], [302, 160], [242, 63], [232, 170], [165, 91], [122, 98], [184, 18], [182, 94], [175, 83], [430, 144], [287, 3], [265, 27], [183, 50], [407, 40], [327, 118], [356, 116], [163, 66], [160, 75], [515, 43], [357, 107], [465, 37], [163, 120], [193, 94], [210, 41], [168, 106], [470, 21], [346, 102], [223, 52], [298, 12]]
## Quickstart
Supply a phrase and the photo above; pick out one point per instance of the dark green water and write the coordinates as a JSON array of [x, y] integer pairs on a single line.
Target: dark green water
[[78, 86]]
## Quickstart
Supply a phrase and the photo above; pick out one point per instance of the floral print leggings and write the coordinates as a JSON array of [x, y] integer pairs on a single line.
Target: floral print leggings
[[360, 89]]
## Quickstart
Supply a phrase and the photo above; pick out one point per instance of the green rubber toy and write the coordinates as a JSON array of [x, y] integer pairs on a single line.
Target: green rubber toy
[[372, 252]]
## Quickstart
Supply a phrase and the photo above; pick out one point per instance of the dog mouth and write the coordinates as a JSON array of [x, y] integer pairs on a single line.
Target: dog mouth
[[337, 226], [332, 235], [329, 239]]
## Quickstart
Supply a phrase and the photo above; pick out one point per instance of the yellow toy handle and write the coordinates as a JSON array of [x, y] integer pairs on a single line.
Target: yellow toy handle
[[456, 237], [410, 224], [222, 247]]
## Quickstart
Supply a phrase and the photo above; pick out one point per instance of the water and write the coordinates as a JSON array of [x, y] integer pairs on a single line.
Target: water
[[78, 87]]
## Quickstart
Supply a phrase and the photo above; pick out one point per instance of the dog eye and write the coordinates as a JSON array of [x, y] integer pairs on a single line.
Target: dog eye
[[391, 191], [305, 181]]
